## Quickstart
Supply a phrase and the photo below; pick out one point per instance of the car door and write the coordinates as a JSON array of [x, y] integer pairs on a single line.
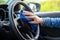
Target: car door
[[49, 9], [48, 32]]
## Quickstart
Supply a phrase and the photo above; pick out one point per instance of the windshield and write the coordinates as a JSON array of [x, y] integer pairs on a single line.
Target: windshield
[[46, 5], [3, 1]]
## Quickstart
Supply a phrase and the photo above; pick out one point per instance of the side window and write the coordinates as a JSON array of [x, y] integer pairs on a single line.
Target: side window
[[50, 6], [47, 5]]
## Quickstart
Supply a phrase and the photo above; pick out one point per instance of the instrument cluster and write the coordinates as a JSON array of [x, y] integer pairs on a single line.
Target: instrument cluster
[[3, 12]]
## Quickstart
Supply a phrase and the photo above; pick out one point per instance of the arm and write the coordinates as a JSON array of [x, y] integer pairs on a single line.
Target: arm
[[51, 22]]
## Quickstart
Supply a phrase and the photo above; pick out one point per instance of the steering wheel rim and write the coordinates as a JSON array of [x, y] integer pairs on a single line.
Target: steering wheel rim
[[13, 22]]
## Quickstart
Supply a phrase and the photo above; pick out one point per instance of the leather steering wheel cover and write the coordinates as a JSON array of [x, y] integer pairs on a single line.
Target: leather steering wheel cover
[[14, 27]]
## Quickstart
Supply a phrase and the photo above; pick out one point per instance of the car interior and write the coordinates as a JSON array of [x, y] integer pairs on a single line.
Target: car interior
[[13, 28]]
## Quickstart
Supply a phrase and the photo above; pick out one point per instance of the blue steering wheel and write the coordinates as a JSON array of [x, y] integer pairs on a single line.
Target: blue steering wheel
[[24, 31]]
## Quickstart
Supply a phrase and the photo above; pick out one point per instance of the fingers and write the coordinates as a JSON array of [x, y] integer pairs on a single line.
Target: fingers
[[33, 22], [30, 17], [28, 13]]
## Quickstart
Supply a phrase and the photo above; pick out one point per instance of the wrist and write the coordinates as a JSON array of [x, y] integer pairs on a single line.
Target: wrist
[[40, 20]]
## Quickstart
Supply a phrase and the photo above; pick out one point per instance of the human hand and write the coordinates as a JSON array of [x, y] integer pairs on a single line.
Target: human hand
[[36, 19]]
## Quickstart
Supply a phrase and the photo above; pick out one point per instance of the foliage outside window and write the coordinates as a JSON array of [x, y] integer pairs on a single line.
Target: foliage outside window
[[46, 5], [2, 1]]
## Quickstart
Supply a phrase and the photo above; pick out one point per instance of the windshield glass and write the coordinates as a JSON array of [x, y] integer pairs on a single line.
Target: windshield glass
[[46, 5], [3, 1]]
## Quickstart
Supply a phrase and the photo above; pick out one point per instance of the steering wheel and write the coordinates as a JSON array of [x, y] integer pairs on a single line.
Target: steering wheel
[[22, 32]]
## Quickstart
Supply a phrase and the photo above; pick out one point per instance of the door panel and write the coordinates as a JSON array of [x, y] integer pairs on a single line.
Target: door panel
[[47, 32], [48, 14]]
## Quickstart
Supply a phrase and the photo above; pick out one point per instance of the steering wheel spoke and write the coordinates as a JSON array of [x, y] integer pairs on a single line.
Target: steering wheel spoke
[[31, 35], [28, 36], [16, 19]]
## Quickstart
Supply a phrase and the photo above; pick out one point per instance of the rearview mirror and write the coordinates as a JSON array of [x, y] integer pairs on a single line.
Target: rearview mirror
[[34, 6]]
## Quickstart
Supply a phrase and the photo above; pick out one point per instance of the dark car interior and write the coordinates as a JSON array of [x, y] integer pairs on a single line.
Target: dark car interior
[[9, 18]]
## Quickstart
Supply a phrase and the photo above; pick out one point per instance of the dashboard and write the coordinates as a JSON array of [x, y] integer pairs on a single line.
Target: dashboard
[[3, 12], [5, 30]]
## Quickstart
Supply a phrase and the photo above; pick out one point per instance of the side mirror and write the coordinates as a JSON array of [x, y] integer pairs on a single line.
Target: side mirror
[[34, 6]]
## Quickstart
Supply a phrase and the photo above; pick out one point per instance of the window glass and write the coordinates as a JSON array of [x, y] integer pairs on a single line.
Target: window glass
[[47, 5], [3, 1]]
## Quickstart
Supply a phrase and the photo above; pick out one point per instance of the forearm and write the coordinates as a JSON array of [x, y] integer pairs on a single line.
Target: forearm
[[51, 22]]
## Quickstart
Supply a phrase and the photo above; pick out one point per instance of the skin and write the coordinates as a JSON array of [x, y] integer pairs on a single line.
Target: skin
[[37, 20]]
